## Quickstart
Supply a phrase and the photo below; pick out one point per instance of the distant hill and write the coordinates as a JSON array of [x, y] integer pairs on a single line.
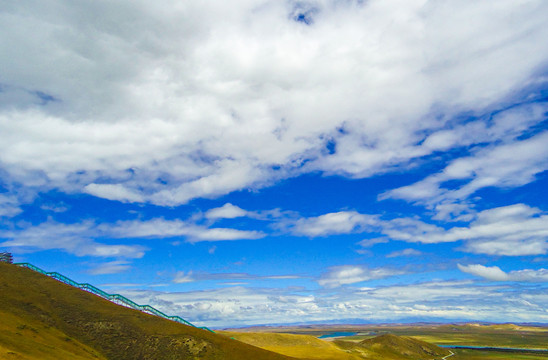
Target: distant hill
[[299, 346], [43, 319], [384, 347], [390, 346]]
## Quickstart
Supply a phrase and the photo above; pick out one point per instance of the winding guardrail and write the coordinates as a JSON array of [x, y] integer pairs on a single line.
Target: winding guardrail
[[115, 298]]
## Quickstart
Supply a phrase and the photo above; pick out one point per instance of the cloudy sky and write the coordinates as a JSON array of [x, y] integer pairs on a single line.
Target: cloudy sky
[[279, 161]]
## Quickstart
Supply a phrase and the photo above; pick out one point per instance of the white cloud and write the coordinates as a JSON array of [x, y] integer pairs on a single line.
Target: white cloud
[[494, 273], [113, 192], [491, 273], [161, 228], [370, 242], [219, 234], [181, 277], [227, 211], [79, 238], [439, 300], [343, 222], [9, 206], [113, 267], [404, 252], [504, 166], [56, 208], [231, 305], [350, 274], [163, 103], [414, 230], [190, 276], [512, 230], [76, 239]]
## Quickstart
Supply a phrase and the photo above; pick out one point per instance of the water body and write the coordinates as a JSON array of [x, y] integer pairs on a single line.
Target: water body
[[337, 334], [491, 348]]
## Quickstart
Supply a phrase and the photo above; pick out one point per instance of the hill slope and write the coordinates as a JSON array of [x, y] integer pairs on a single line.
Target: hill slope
[[299, 346], [385, 347], [45, 319], [390, 346]]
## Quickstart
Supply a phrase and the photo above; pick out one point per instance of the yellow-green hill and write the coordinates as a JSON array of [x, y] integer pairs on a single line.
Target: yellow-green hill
[[298, 346], [389, 347], [42, 319]]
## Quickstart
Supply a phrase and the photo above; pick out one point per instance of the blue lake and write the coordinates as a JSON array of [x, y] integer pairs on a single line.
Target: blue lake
[[337, 334], [491, 348]]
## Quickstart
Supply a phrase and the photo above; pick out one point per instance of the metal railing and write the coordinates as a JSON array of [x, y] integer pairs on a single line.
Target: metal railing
[[115, 298]]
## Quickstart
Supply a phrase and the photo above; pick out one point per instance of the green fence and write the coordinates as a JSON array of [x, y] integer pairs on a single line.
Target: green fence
[[115, 298]]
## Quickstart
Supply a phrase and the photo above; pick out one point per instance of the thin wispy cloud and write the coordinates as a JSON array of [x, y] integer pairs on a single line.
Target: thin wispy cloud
[[75, 239], [404, 252], [113, 267], [350, 274]]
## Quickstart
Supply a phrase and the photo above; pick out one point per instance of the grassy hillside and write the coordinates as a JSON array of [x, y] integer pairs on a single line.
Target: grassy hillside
[[389, 347], [506, 335], [299, 346], [44, 319]]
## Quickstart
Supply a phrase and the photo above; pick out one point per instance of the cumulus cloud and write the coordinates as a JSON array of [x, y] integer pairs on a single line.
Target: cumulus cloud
[[163, 103], [227, 211], [113, 192], [350, 274], [494, 273], [343, 222]]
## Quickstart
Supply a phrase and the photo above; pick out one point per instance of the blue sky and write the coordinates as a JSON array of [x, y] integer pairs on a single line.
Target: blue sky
[[271, 162]]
